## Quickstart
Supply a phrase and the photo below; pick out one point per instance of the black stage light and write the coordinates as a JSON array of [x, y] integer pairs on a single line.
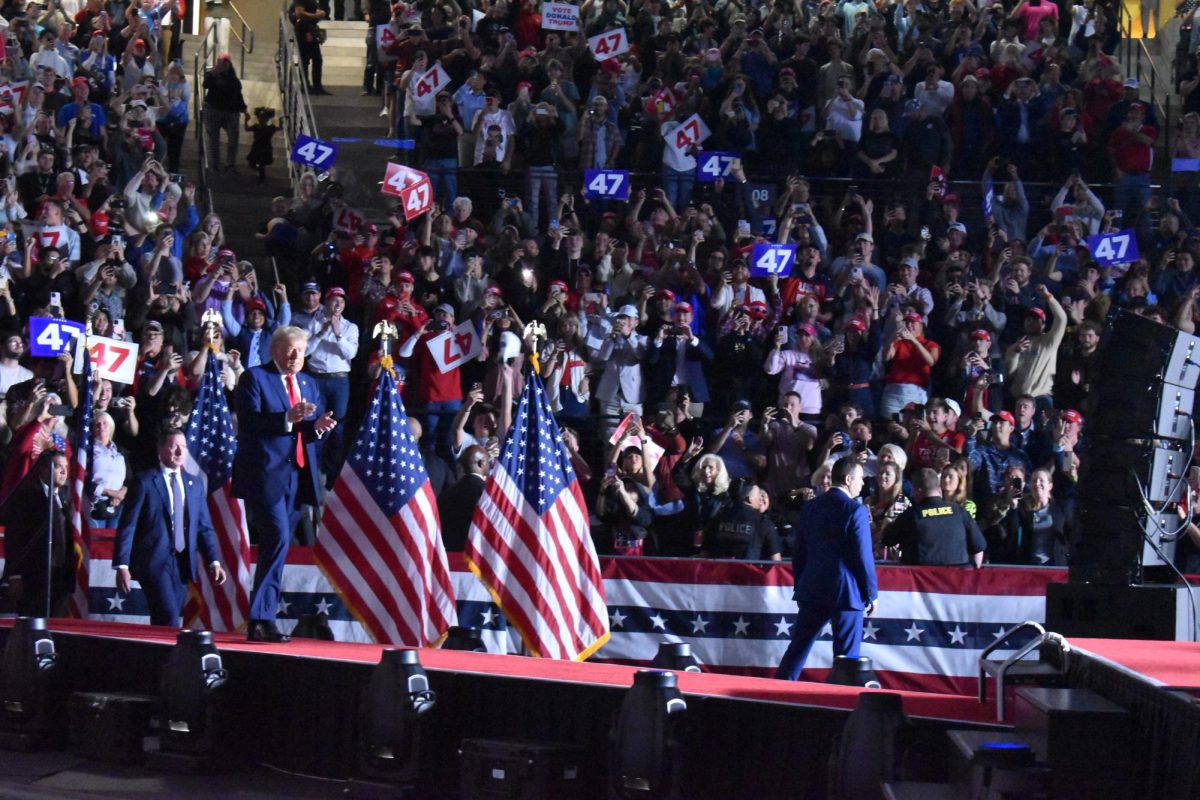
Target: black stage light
[[463, 638], [871, 747], [33, 688], [676, 656], [646, 751], [313, 626], [193, 682], [850, 671], [397, 696]]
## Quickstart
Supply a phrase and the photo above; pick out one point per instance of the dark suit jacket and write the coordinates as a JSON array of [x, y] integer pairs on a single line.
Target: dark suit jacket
[[456, 506], [266, 450], [24, 521], [144, 540], [833, 563]]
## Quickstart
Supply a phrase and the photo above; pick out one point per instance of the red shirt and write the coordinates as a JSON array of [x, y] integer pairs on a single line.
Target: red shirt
[[925, 449], [424, 382], [907, 365], [1131, 156]]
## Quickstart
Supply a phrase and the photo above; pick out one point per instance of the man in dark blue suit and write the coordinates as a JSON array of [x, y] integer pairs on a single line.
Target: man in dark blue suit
[[275, 469], [834, 569], [163, 520]]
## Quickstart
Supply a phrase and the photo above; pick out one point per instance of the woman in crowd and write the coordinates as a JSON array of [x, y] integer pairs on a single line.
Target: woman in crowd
[[885, 504]]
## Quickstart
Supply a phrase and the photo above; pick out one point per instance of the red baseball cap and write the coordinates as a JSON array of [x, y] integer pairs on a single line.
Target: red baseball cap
[[665, 294], [99, 223], [1036, 312], [757, 309], [684, 307], [1006, 416], [857, 324], [558, 285], [405, 277], [980, 334], [335, 291], [256, 304], [913, 316], [493, 291], [1072, 416]]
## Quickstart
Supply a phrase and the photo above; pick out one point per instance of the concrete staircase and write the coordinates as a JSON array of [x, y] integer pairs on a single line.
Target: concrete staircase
[[347, 114]]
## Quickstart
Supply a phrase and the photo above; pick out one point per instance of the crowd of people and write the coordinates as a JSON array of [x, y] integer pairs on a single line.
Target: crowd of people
[[949, 346]]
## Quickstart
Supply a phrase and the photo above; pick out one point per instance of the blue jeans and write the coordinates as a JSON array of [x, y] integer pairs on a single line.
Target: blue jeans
[[542, 179], [335, 397], [443, 172], [432, 422], [678, 186], [1131, 194], [897, 395]]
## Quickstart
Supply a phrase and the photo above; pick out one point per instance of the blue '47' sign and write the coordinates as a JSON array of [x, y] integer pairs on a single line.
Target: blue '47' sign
[[606, 184], [711, 165], [1114, 248], [772, 259], [313, 152], [49, 336]]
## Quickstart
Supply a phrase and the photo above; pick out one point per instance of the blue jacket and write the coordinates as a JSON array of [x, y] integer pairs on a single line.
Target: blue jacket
[[833, 563], [144, 541], [266, 452]]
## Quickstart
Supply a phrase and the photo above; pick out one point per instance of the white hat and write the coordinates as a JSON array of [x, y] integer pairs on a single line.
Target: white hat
[[954, 406], [628, 311], [510, 345]]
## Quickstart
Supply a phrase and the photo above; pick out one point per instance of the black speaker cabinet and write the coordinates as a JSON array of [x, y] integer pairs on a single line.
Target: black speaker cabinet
[[1100, 611]]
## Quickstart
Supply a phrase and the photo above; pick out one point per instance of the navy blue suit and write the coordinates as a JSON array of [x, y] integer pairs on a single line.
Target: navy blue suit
[[835, 577], [145, 543], [266, 476]]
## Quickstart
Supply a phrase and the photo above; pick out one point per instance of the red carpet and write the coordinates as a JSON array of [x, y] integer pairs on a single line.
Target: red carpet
[[918, 704], [1172, 665]]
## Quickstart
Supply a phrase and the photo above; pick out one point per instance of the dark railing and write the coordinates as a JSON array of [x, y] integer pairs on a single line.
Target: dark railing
[[293, 92]]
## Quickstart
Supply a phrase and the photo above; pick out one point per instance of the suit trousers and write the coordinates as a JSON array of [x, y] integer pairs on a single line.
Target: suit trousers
[[847, 636], [275, 522], [166, 595]]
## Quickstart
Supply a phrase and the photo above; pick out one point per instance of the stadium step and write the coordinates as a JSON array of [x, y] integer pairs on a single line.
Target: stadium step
[[1049, 668]]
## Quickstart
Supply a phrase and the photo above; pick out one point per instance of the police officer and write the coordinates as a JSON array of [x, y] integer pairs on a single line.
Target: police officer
[[935, 531], [743, 530]]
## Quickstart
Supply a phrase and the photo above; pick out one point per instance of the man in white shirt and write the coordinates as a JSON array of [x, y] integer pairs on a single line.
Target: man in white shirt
[[934, 94], [332, 345], [12, 347]]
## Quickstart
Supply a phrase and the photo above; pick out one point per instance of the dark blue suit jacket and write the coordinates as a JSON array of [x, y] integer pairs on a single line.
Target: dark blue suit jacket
[[833, 563], [144, 540], [266, 451]]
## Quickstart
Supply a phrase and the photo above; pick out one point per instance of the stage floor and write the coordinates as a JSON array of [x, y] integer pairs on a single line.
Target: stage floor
[[801, 693], [1168, 665]]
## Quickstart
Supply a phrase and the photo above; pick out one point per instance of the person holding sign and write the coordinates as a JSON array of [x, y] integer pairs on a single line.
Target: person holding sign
[[428, 387], [599, 138]]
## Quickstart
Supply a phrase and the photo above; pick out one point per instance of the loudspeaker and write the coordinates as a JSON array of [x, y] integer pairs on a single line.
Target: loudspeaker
[[1152, 352], [1113, 611], [1128, 406], [1118, 465], [1113, 548]]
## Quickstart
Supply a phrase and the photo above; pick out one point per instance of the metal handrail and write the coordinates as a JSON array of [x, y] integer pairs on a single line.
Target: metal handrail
[[1008, 662], [293, 90]]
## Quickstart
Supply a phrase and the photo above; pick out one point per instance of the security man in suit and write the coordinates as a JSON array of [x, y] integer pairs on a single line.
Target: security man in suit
[[163, 522], [934, 531], [834, 569], [275, 469], [620, 389], [24, 518]]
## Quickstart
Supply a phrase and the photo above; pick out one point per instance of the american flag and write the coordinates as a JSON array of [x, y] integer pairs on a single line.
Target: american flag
[[530, 541], [211, 445], [80, 497], [380, 539]]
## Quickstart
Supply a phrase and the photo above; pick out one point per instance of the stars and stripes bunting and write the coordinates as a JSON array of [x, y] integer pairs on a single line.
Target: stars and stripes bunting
[[211, 445], [80, 496], [380, 538], [530, 541]]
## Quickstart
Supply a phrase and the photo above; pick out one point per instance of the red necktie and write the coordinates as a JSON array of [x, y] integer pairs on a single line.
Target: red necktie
[[293, 398]]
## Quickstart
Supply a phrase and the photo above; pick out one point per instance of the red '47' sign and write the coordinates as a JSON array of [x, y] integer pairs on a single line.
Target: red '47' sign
[[399, 177], [455, 347], [693, 131], [112, 359], [609, 44], [416, 199]]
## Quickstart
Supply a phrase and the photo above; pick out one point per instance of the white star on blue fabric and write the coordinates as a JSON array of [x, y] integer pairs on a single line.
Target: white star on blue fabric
[[869, 631], [489, 618], [699, 624], [827, 630], [616, 619], [116, 602], [914, 633], [741, 627], [323, 606], [958, 636], [783, 627], [658, 622]]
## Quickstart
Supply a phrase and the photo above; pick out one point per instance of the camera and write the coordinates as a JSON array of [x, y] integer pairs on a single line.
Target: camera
[[1018, 486]]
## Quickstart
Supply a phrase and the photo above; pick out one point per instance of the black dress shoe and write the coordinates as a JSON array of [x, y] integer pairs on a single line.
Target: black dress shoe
[[265, 632]]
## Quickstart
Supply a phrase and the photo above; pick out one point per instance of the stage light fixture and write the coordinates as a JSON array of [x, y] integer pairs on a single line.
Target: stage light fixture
[[397, 697], [463, 638], [850, 671], [313, 626], [676, 656], [645, 747], [33, 690], [193, 681]]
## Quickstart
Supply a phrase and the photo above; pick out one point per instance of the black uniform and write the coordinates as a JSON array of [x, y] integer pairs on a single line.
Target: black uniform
[[741, 532], [935, 532]]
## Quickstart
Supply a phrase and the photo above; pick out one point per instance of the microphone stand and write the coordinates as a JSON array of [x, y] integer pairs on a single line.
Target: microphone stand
[[49, 536]]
